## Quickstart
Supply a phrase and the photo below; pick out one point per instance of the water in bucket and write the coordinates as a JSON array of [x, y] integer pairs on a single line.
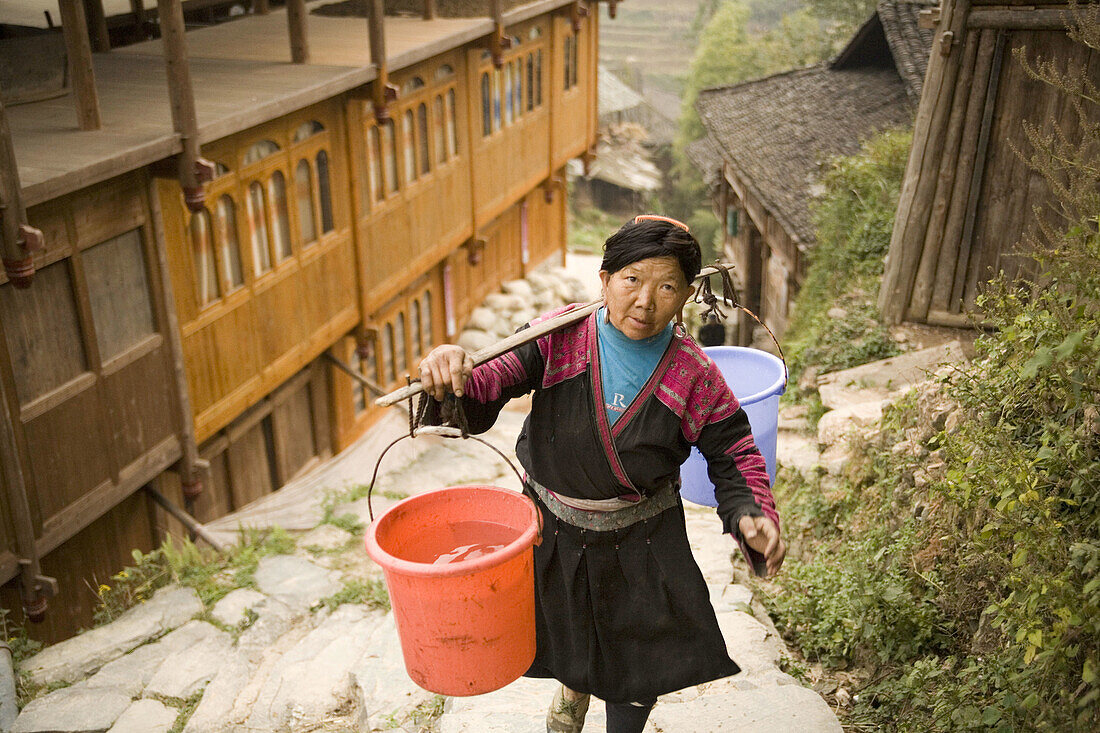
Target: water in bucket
[[459, 568], [757, 379]]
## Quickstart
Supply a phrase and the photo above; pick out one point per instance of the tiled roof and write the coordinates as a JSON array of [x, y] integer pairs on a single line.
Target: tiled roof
[[775, 132], [619, 103], [909, 42], [893, 37], [706, 156]]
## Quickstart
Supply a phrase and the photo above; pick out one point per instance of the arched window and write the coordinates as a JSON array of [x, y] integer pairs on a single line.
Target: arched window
[[325, 192], [517, 87], [220, 170], [358, 393], [508, 93], [411, 86], [303, 189], [408, 145], [416, 343], [276, 189], [202, 249], [388, 371], [446, 71], [426, 320], [486, 105], [257, 226], [226, 217], [538, 78], [534, 33], [568, 56], [498, 84], [452, 128], [389, 155], [258, 151], [307, 130], [530, 82], [575, 66], [422, 137], [439, 123], [400, 354], [374, 169]]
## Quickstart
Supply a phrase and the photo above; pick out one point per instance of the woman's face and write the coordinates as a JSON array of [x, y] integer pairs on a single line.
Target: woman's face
[[643, 297]]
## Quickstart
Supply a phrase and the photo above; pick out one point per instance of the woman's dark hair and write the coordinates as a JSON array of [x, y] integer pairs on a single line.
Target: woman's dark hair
[[640, 240]]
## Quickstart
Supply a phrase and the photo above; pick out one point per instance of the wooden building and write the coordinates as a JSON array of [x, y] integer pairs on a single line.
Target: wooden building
[[766, 140], [968, 197], [224, 213]]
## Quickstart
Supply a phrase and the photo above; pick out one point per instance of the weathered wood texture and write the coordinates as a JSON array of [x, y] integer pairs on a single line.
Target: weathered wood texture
[[85, 361], [971, 203], [569, 111], [507, 164], [284, 259], [246, 59], [79, 50]]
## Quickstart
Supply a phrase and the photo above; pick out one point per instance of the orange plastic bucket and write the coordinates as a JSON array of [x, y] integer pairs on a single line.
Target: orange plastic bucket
[[467, 626]]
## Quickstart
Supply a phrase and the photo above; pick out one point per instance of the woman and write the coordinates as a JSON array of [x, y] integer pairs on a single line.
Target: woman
[[622, 610]]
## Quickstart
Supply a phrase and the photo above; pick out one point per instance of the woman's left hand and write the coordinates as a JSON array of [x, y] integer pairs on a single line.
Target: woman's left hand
[[762, 535]]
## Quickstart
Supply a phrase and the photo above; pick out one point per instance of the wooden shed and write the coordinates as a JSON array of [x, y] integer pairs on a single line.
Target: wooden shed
[[968, 196], [766, 140], [227, 212]]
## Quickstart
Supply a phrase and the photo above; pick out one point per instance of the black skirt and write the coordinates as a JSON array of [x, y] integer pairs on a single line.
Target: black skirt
[[624, 615]]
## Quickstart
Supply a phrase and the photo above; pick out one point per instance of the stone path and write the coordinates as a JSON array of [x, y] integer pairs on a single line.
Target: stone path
[[272, 657]]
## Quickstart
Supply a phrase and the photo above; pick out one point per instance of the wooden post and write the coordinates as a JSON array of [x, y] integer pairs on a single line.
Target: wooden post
[[933, 239], [193, 171], [383, 93], [919, 184], [498, 43], [967, 161], [190, 465], [18, 241], [260, 7], [296, 23], [36, 589], [429, 9], [137, 7], [79, 50], [97, 22]]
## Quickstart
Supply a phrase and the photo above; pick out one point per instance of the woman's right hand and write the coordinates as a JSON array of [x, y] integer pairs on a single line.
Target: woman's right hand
[[445, 369]]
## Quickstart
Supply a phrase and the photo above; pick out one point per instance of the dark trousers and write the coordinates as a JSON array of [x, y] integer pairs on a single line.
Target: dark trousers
[[627, 718]]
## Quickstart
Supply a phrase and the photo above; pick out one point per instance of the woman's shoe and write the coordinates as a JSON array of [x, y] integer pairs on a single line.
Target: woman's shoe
[[567, 711]]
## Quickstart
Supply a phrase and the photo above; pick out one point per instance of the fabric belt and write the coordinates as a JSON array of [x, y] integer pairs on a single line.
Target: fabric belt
[[607, 514]]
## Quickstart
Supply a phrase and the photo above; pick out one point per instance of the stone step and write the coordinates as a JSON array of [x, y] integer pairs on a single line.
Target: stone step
[[880, 379]]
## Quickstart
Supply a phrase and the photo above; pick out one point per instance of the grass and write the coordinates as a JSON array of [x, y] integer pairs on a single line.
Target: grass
[[370, 593]]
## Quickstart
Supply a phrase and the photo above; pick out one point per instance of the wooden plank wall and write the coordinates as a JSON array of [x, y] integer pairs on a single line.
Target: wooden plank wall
[[87, 366], [968, 197], [283, 308]]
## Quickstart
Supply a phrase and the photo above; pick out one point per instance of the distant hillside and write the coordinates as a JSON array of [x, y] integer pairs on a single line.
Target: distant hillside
[[649, 44]]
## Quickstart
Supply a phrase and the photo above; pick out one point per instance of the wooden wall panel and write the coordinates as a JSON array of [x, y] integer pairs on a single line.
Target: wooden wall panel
[[140, 404], [569, 113], [69, 450]]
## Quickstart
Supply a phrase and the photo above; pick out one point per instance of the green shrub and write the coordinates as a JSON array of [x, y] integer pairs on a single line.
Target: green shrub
[[853, 219]]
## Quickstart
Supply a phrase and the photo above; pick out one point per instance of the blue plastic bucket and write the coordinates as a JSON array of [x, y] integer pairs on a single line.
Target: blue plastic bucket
[[756, 379]]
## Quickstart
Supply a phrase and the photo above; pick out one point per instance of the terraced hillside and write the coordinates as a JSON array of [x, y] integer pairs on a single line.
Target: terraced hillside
[[650, 42]]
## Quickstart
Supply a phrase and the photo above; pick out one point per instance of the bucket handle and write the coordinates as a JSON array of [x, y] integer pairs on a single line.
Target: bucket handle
[[446, 431], [705, 295]]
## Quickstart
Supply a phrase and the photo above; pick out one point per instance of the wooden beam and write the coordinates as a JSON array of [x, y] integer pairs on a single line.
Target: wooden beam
[[18, 240], [918, 186], [949, 163], [382, 92], [181, 97], [35, 589], [1032, 19], [429, 9], [97, 24], [137, 8], [967, 160], [296, 24], [261, 7], [79, 50]]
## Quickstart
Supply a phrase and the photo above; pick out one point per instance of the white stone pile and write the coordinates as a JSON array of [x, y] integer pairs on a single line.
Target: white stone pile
[[519, 301]]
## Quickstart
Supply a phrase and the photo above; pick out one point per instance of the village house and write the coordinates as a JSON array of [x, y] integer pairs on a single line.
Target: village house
[[202, 230], [766, 140]]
